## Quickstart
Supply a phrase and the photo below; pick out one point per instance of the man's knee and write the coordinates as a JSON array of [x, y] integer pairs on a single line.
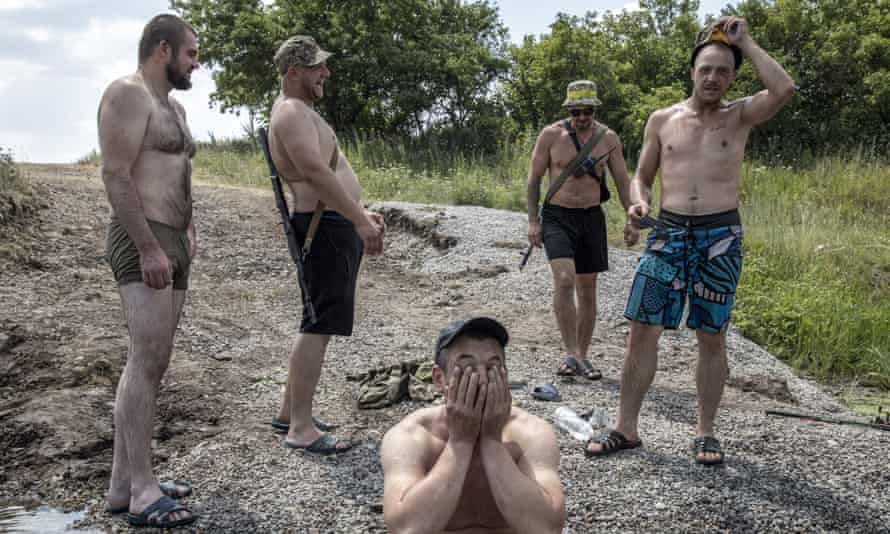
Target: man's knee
[[711, 344], [585, 285], [643, 334]]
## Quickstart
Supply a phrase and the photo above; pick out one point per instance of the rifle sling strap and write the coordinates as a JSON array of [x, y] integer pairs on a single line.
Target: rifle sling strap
[[319, 208], [582, 153]]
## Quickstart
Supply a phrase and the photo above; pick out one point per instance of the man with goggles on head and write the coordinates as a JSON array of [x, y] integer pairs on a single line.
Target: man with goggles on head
[[695, 251], [572, 226]]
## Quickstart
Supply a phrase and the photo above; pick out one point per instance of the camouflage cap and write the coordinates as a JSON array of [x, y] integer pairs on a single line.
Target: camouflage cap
[[713, 33], [299, 50], [581, 93]]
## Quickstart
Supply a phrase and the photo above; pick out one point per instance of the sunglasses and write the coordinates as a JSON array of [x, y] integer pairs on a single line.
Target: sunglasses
[[578, 112]]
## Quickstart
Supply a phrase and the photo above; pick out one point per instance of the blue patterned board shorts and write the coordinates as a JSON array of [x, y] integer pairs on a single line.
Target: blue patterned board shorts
[[695, 256]]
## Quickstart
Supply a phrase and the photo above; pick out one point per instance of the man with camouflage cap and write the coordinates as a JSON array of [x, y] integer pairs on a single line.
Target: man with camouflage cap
[[305, 151], [572, 225], [695, 250]]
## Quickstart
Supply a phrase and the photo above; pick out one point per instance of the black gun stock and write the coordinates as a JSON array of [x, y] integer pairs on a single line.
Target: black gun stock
[[293, 246]]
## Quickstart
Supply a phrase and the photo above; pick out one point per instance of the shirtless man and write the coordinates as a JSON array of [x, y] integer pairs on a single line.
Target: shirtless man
[[477, 464], [695, 250], [304, 149], [573, 225], [146, 167]]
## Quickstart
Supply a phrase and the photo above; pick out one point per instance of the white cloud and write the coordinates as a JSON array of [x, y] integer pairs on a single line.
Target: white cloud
[[24, 71], [38, 35], [631, 7], [16, 5]]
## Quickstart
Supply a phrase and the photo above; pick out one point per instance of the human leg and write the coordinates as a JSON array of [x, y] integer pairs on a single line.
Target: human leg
[[152, 316], [563, 270], [710, 377]]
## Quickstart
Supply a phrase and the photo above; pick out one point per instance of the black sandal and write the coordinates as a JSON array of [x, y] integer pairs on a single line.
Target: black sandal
[[612, 442], [569, 367], [585, 369], [704, 444], [157, 515]]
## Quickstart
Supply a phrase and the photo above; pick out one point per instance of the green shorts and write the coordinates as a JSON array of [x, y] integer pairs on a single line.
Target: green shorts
[[122, 255]]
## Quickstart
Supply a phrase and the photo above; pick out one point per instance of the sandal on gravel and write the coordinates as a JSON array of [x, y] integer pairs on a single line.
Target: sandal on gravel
[[705, 444], [545, 392], [324, 445], [585, 369], [281, 426], [569, 367], [170, 488], [612, 442], [157, 514]]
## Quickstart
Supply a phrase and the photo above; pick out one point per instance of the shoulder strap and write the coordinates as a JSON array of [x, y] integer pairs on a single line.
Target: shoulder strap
[[582, 153], [572, 133], [319, 208]]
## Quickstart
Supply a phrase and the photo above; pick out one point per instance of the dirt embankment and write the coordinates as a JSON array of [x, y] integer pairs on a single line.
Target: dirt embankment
[[63, 346]]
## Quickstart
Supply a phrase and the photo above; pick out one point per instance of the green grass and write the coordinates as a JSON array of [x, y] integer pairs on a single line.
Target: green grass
[[10, 177], [815, 287]]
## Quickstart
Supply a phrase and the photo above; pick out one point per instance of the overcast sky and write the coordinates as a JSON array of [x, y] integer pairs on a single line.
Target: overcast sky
[[57, 56]]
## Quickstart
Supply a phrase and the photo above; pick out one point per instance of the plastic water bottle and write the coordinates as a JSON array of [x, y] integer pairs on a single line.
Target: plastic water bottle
[[568, 420], [598, 418]]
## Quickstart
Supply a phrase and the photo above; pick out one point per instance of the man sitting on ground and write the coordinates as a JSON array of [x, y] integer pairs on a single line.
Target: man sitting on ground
[[476, 464]]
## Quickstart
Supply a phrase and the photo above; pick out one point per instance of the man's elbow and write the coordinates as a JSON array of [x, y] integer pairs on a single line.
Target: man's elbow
[[786, 92]]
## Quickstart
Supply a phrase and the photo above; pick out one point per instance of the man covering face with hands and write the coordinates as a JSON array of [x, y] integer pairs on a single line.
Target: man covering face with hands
[[475, 464]]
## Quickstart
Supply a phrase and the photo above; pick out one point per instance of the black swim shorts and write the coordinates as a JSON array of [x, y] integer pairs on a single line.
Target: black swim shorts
[[577, 233], [331, 271]]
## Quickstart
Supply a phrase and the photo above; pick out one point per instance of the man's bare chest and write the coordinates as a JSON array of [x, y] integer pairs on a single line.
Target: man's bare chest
[[691, 137], [168, 132]]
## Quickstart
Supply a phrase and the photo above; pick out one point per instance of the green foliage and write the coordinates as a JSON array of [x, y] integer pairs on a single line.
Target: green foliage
[[9, 173], [399, 67]]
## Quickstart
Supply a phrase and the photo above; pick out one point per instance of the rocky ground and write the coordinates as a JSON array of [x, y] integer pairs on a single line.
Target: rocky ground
[[63, 342]]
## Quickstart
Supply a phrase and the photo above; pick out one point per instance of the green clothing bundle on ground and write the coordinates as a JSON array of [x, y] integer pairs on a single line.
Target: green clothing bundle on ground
[[387, 385]]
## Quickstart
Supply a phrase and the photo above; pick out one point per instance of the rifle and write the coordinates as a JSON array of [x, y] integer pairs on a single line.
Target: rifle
[[807, 417], [297, 253]]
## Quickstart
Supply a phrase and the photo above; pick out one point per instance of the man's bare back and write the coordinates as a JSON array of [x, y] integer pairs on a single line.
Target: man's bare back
[[701, 154], [311, 123], [162, 170]]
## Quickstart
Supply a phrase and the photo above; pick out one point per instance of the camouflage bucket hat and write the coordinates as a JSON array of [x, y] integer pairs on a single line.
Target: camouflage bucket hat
[[713, 33], [581, 93], [300, 50]]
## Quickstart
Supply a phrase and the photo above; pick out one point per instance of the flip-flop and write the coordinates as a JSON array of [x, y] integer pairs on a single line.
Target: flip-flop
[[168, 488], [155, 515], [281, 426], [324, 445], [545, 392]]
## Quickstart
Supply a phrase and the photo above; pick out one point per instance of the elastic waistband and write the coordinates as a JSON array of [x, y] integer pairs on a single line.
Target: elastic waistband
[[152, 224], [330, 216], [711, 220], [564, 209]]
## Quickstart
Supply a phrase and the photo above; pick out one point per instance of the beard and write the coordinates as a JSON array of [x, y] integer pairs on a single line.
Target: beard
[[177, 79]]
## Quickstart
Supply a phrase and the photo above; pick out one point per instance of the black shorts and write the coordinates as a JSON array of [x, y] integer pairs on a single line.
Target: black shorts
[[577, 233], [331, 270]]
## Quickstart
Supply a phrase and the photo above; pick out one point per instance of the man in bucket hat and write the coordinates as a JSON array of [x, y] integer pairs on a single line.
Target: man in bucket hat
[[304, 149], [572, 225], [476, 463], [695, 251]]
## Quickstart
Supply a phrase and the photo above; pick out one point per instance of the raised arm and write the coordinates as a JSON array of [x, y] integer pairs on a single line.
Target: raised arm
[[540, 161], [295, 130], [527, 491], [618, 168], [779, 86], [418, 499], [123, 118]]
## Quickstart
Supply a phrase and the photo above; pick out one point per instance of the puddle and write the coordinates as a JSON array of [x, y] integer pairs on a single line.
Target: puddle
[[43, 520]]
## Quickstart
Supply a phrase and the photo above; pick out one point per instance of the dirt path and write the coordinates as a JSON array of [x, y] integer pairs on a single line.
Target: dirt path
[[63, 343]]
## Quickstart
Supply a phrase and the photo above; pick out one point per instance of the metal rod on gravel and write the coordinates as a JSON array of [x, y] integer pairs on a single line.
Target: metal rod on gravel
[[808, 417]]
